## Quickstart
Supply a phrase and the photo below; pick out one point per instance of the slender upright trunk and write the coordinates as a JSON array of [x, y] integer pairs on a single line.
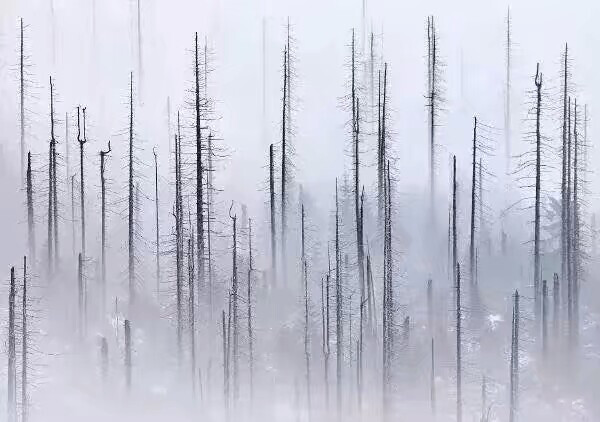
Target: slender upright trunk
[[575, 232], [199, 173], [157, 229], [30, 215], [306, 311], [338, 306], [432, 94], [514, 361], [130, 199], [564, 198], [250, 317], [191, 311], [128, 355], [234, 292], [458, 348], [544, 318], [24, 348], [272, 221], [284, 158], [22, 102], [82, 178], [209, 212], [507, 126], [80, 296], [51, 190], [473, 199], [538, 164], [388, 298], [556, 306], [454, 229], [103, 155], [12, 355], [73, 229], [178, 214]]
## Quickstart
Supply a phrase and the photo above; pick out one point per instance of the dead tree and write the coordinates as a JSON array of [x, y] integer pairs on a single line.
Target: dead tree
[[199, 171], [514, 361], [73, 213], [178, 215], [454, 229], [234, 293], [54, 186], [128, 355], [12, 355], [538, 165], [564, 198], [130, 203], [82, 142], [51, 190], [24, 348], [458, 347], [272, 209], [304, 266], [30, 215], [388, 296], [191, 310], [250, 316], [22, 99], [338, 305], [381, 141], [473, 185], [157, 228], [80, 296], [544, 318], [433, 100], [576, 230], [103, 155], [284, 163], [507, 116], [556, 306]]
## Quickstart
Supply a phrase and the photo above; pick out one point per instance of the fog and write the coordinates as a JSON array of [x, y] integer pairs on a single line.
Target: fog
[[353, 277]]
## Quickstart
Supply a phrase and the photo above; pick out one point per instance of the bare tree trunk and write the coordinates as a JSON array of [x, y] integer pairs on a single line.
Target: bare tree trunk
[[458, 345], [388, 298], [191, 311], [454, 229], [178, 242], [306, 312], [209, 212], [433, 99], [30, 215], [538, 165], [24, 349], [199, 173], [272, 221], [51, 190], [130, 217], [514, 362], [284, 175], [473, 199], [80, 296], [22, 101], [575, 233], [73, 213], [225, 361], [103, 155], [544, 318], [12, 356], [234, 285], [564, 197], [250, 316], [556, 306], [82, 178], [128, 355], [338, 306]]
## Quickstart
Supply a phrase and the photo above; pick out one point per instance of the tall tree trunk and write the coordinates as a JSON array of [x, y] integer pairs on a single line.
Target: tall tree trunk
[[22, 101], [454, 229], [458, 347], [306, 311], [564, 198], [30, 215], [80, 296], [284, 159], [544, 318], [234, 292], [24, 349], [272, 209], [199, 173], [514, 362], [339, 330], [538, 165], [556, 306], [178, 242], [191, 311], [250, 316], [473, 204], [103, 155], [51, 190], [575, 233], [12, 356], [130, 200], [82, 178]]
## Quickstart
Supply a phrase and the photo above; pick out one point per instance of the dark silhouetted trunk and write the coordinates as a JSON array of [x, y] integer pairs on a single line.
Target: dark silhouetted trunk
[[157, 228], [250, 316], [199, 172], [30, 215], [82, 178], [128, 355], [272, 209], [473, 204], [11, 405], [514, 362], [103, 155], [538, 166], [458, 347], [24, 348], [338, 306], [130, 203]]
